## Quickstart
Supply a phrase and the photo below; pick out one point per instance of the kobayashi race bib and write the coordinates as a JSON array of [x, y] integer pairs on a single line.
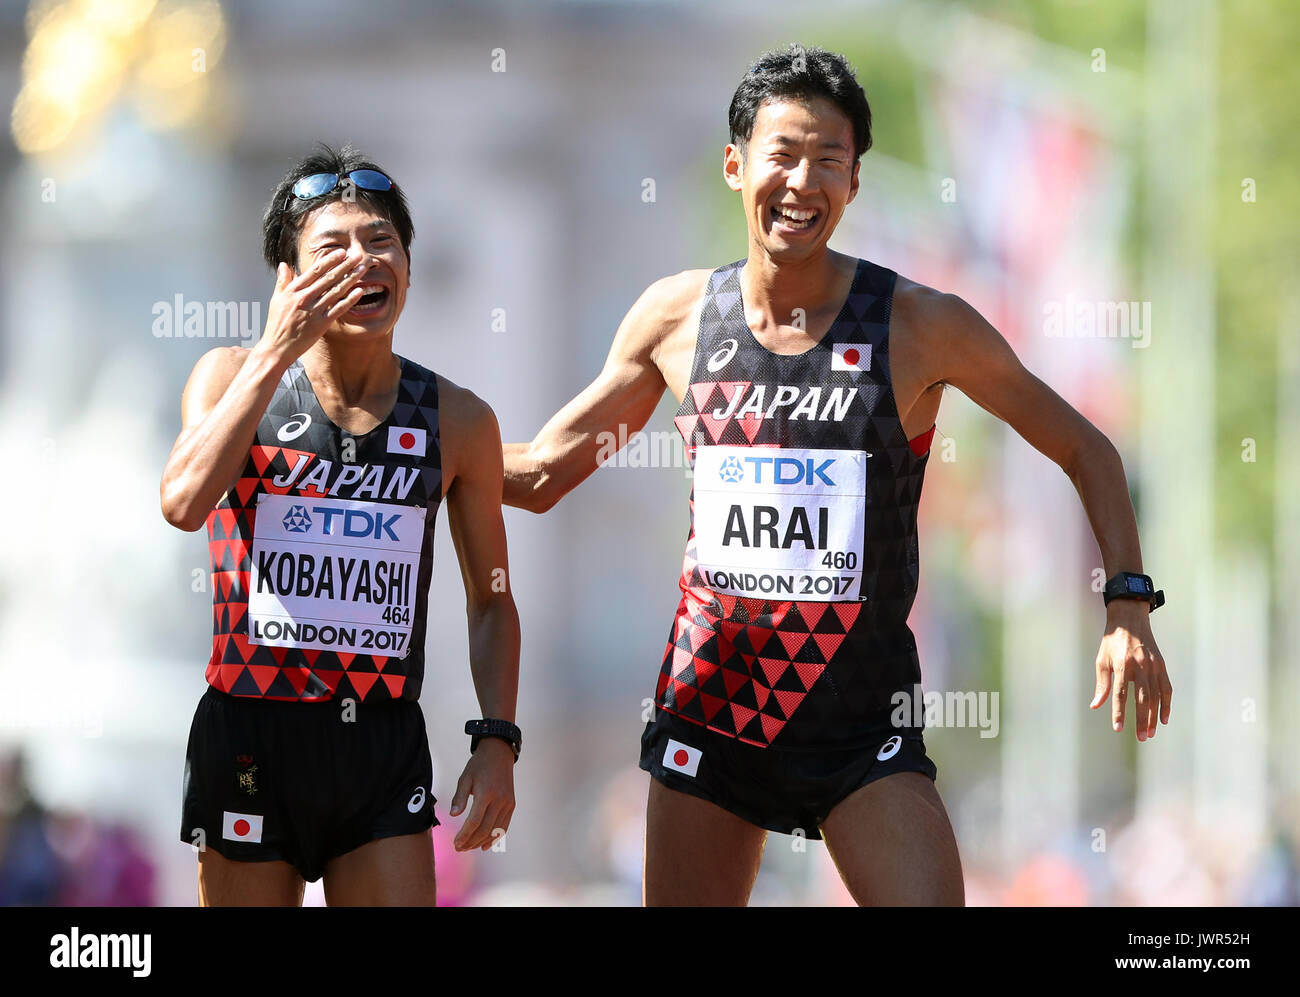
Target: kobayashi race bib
[[781, 523], [334, 574]]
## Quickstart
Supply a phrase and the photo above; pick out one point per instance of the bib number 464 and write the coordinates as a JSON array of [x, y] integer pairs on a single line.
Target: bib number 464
[[396, 614]]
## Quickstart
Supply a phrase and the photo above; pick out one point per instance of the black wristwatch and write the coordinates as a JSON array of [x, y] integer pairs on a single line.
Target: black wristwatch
[[504, 729], [1130, 585]]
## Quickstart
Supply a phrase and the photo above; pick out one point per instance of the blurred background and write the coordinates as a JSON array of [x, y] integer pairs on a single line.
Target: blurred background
[[1110, 183]]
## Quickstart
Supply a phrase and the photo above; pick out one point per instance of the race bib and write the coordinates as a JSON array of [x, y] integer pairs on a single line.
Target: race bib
[[781, 523], [334, 574]]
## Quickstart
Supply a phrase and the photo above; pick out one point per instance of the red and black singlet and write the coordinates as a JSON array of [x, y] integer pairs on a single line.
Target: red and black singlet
[[322, 550], [802, 560]]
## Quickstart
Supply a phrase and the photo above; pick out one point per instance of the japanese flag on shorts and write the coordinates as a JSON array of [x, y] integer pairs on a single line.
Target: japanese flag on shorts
[[406, 441], [682, 758], [241, 827], [851, 356]]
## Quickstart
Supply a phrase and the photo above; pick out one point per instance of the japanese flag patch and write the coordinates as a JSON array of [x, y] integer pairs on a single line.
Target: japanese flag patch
[[682, 758], [241, 827], [851, 357], [407, 441]]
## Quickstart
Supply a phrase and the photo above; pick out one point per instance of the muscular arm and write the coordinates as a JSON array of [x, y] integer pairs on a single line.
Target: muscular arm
[[223, 402], [977, 360], [629, 386], [974, 357], [479, 534]]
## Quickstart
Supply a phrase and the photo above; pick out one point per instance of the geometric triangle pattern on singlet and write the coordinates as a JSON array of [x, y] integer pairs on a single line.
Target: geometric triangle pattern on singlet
[[791, 672], [296, 441]]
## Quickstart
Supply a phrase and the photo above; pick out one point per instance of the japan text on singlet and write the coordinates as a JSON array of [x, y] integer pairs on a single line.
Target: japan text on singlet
[[802, 562], [322, 550]]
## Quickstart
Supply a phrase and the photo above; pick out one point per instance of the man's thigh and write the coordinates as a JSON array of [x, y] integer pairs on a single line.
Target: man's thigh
[[396, 871], [696, 853], [224, 882], [894, 845]]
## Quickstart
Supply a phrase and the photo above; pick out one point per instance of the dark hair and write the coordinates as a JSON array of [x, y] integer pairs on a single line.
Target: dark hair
[[282, 223], [800, 74]]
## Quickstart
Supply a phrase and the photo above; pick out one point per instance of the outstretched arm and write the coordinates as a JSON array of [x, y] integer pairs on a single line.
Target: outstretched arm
[[565, 452], [976, 359], [479, 534]]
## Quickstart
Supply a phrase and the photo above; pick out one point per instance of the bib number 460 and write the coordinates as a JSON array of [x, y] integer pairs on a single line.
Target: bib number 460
[[840, 560]]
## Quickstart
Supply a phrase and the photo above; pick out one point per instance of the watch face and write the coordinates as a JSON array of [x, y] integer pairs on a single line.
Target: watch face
[[1138, 585]]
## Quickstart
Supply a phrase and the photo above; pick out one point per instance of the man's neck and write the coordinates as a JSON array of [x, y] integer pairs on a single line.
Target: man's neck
[[350, 370], [776, 292]]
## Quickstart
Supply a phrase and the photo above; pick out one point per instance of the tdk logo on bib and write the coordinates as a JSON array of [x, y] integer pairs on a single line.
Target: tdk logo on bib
[[778, 470], [357, 523]]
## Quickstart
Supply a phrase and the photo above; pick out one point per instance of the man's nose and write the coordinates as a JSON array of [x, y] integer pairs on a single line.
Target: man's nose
[[801, 177]]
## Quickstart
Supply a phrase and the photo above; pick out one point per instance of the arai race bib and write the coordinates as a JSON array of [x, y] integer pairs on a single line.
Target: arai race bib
[[334, 574], [781, 523]]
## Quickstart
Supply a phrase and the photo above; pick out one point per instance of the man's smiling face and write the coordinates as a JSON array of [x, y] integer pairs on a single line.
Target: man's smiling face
[[795, 176], [356, 228]]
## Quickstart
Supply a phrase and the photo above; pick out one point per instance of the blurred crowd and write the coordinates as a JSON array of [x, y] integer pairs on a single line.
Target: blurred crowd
[[65, 858]]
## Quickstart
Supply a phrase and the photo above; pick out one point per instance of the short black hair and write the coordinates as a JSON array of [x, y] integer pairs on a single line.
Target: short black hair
[[282, 223], [801, 74]]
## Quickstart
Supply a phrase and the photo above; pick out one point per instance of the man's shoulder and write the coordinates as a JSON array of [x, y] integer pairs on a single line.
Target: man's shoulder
[[215, 370], [923, 301], [677, 294], [929, 314], [460, 408]]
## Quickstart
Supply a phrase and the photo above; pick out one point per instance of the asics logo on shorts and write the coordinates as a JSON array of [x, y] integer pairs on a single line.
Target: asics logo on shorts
[[890, 748], [416, 802]]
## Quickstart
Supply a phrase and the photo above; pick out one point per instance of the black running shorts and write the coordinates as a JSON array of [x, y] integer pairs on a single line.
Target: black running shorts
[[786, 790], [304, 782]]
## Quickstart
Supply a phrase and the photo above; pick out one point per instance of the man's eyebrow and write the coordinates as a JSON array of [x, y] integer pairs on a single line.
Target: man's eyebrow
[[336, 233], [828, 144]]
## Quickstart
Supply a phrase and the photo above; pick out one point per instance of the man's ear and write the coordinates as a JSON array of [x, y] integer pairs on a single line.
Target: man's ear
[[733, 165], [853, 187]]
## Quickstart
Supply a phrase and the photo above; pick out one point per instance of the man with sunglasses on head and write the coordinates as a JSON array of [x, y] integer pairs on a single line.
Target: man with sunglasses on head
[[318, 460]]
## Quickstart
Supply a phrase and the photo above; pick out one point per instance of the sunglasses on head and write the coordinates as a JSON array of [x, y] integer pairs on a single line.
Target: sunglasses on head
[[322, 183]]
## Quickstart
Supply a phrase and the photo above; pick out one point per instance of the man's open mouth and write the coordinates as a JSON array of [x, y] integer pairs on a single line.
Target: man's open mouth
[[794, 218], [373, 299]]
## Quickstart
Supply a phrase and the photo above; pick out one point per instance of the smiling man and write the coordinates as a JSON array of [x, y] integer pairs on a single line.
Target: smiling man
[[808, 385], [318, 460]]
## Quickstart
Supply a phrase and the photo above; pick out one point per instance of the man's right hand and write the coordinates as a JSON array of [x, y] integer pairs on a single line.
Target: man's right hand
[[303, 307]]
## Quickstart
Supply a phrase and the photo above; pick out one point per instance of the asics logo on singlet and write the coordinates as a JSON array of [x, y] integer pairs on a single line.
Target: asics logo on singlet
[[722, 357], [416, 801], [295, 427], [731, 471], [889, 749], [296, 520]]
